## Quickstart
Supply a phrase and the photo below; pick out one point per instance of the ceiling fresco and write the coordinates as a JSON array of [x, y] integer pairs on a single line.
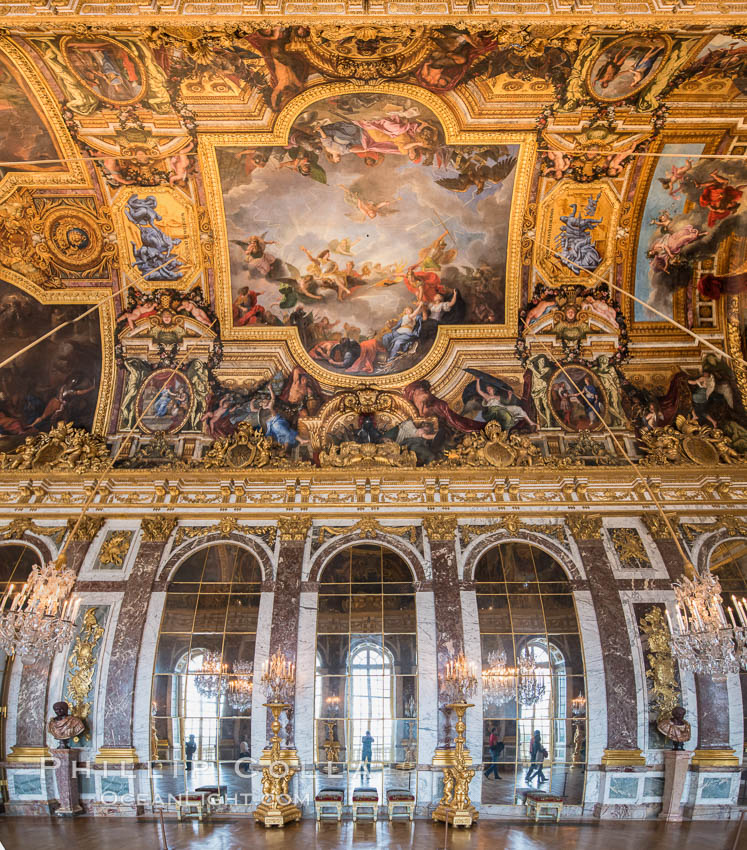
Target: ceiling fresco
[[368, 245]]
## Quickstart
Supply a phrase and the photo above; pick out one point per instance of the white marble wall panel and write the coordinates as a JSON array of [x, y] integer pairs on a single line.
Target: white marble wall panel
[[305, 676], [427, 677], [596, 693], [141, 723], [658, 568], [259, 712], [473, 651]]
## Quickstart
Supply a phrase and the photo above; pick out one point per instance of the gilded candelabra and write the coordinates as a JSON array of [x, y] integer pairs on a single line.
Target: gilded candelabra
[[460, 682], [279, 763], [409, 744]]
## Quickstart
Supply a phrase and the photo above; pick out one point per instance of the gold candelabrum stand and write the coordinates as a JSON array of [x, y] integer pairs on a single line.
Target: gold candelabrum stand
[[455, 806], [280, 764]]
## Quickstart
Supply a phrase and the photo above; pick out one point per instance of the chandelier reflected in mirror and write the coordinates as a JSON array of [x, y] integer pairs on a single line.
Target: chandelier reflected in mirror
[[241, 686], [211, 680], [498, 679], [703, 640], [39, 618], [458, 680], [531, 686]]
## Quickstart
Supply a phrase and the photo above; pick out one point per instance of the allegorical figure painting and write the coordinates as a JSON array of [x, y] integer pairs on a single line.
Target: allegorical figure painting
[[367, 233], [626, 66], [694, 205], [105, 68], [56, 380], [24, 137]]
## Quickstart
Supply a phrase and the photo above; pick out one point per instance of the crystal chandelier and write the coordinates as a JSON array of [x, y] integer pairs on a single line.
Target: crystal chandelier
[[704, 641], [458, 681], [498, 679], [240, 686], [531, 686], [578, 705], [278, 677], [211, 680], [39, 619]]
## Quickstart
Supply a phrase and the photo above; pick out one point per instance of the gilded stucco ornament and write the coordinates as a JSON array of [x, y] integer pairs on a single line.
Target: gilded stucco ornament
[[115, 548], [657, 525], [687, 442], [63, 448], [18, 527], [584, 526], [629, 548], [368, 528], [82, 665], [246, 448], [387, 453], [492, 447], [85, 528], [157, 529], [440, 527], [294, 527], [663, 687]]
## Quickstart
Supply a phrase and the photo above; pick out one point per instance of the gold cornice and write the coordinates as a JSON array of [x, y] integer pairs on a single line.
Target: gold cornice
[[723, 757], [623, 758]]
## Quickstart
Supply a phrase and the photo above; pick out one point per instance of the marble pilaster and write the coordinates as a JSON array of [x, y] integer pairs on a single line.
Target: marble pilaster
[[120, 683], [620, 683]]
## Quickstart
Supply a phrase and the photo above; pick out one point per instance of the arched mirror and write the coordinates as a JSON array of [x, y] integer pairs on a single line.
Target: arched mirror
[[366, 698], [203, 679], [534, 692]]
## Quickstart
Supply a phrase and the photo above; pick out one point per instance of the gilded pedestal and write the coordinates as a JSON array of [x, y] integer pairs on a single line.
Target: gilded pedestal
[[455, 806], [277, 807]]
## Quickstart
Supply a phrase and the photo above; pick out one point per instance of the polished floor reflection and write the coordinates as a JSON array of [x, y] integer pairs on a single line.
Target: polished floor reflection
[[115, 833]]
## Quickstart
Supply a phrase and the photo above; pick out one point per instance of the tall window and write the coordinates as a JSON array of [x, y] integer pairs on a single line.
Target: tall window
[[366, 678], [201, 699], [526, 611]]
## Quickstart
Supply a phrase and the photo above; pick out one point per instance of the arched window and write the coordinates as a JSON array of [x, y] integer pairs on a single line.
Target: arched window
[[366, 675], [202, 687], [528, 620]]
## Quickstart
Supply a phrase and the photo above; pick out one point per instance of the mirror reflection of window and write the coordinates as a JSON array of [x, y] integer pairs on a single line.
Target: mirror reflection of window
[[203, 678], [527, 615], [366, 723]]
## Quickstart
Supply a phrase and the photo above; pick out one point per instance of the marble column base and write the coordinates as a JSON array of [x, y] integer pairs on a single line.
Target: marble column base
[[67, 784], [676, 765]]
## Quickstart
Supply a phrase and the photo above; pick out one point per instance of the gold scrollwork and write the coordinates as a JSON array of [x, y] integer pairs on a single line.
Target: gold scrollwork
[[246, 448], [629, 547], [688, 442], [368, 528], [82, 665], [387, 453], [663, 688], [115, 548], [225, 526], [492, 447], [85, 528], [18, 527]]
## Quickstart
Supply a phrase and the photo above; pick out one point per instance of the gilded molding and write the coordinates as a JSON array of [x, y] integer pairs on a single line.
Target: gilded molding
[[64, 448], [293, 527], [623, 758], [157, 529], [18, 527], [82, 666], [368, 528], [663, 687], [657, 526], [115, 548], [225, 527]]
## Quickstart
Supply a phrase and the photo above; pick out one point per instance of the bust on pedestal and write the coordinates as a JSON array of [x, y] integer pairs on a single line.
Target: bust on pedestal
[[676, 762], [64, 726]]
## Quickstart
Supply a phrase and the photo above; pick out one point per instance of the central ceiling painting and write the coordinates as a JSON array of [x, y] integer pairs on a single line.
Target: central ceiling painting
[[367, 232]]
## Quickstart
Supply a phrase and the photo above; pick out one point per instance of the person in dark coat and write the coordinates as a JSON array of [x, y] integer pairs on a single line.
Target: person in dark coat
[[537, 755]]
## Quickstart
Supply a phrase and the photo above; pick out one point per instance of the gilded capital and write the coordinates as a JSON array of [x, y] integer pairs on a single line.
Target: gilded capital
[[86, 528], [657, 526], [584, 526], [440, 527], [293, 527], [157, 529]]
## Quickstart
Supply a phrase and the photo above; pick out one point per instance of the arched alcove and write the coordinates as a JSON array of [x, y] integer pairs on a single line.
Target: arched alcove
[[366, 670], [203, 673], [526, 610]]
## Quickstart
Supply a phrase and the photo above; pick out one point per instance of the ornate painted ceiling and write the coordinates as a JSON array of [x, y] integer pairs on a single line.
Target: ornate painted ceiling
[[372, 244]]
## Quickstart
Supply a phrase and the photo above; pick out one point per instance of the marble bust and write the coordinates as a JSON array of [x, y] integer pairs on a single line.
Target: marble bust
[[675, 727], [64, 725]]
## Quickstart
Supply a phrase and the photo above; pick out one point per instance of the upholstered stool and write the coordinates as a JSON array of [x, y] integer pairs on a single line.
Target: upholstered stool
[[329, 798], [365, 799], [186, 803], [540, 805], [213, 793], [400, 798]]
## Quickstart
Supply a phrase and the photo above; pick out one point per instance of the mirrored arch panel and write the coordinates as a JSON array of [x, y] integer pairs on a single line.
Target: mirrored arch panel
[[366, 695], [203, 678], [533, 677]]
